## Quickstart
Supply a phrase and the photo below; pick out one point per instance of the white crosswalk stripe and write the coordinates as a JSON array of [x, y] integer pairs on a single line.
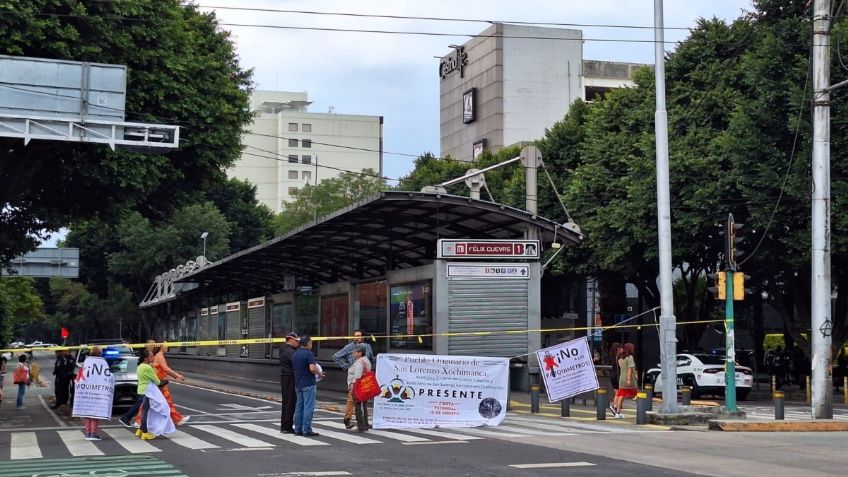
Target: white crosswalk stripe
[[77, 445], [32, 445]]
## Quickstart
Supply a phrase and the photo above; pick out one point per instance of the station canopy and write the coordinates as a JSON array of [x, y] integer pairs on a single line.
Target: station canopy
[[394, 230]]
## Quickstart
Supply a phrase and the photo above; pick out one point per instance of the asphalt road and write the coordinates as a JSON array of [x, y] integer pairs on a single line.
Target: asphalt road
[[235, 435]]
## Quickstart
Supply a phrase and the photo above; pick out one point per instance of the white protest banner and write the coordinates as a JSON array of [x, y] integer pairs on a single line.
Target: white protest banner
[[424, 391], [567, 369], [94, 387]]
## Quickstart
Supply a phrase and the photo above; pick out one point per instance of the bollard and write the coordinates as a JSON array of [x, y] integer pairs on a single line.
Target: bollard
[[807, 389], [686, 395], [601, 404], [565, 408], [845, 390], [649, 397], [641, 407], [773, 385], [778, 405], [534, 399]]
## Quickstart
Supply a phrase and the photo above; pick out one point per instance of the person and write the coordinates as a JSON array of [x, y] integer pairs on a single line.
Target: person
[[289, 398], [129, 416], [91, 425], [2, 374], [361, 364], [614, 353], [146, 375], [305, 371], [163, 371], [63, 370], [626, 380], [22, 379], [344, 359]]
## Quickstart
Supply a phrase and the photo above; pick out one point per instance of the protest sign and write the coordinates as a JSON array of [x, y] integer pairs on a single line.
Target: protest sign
[[567, 369], [425, 391], [94, 387]]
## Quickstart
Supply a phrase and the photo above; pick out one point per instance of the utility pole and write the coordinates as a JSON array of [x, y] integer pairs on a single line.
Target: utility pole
[[822, 324], [668, 323], [730, 336]]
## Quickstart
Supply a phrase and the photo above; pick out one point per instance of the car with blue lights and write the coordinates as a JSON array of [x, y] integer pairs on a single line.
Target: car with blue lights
[[122, 364], [704, 374]]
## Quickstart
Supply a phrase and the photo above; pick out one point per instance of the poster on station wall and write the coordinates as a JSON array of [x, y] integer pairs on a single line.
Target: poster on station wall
[[426, 391], [567, 369]]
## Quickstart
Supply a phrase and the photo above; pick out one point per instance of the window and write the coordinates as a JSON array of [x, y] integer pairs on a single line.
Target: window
[[307, 128], [307, 175], [281, 323], [306, 314], [334, 322], [410, 314], [372, 311], [292, 191], [293, 127], [292, 174], [293, 158], [292, 142], [306, 159], [306, 142]]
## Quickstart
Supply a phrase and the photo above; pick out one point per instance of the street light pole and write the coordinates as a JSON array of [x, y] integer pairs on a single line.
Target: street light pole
[[203, 236]]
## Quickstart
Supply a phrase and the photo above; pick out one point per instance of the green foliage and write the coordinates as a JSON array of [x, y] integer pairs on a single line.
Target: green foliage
[[250, 222], [20, 304], [182, 69], [330, 195]]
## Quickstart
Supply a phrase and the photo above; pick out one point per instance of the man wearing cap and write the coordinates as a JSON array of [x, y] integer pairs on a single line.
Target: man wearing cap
[[305, 371], [344, 358], [289, 398]]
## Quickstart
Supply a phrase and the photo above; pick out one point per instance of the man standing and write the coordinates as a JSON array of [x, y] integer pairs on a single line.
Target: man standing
[[289, 398], [63, 370], [305, 371], [345, 359]]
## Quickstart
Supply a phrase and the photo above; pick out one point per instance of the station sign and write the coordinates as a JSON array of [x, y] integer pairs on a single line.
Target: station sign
[[524, 249], [488, 270]]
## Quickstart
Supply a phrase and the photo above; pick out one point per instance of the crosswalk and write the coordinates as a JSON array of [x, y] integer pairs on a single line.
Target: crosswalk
[[64, 443], [791, 413]]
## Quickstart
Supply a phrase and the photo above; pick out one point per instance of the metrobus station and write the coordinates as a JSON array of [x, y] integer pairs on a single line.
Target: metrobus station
[[419, 272]]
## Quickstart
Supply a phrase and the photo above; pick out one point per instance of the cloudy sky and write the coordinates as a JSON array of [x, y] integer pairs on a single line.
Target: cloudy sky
[[394, 75]]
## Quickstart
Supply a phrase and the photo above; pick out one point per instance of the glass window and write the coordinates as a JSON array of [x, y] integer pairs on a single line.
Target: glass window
[[306, 159], [293, 127], [306, 142], [292, 174], [292, 191], [307, 127], [306, 314], [372, 312], [293, 158], [292, 142], [281, 324], [334, 322], [411, 316], [222, 329], [307, 175]]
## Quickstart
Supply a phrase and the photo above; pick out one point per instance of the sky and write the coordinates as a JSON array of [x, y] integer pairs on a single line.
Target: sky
[[395, 75]]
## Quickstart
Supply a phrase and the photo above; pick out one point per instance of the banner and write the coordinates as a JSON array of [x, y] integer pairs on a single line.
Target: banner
[[424, 391], [567, 369], [94, 387]]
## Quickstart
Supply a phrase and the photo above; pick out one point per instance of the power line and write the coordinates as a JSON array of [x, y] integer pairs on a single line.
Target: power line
[[316, 164]]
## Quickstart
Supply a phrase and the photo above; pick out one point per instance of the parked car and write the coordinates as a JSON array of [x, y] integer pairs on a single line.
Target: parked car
[[704, 374], [34, 344], [122, 363], [17, 344]]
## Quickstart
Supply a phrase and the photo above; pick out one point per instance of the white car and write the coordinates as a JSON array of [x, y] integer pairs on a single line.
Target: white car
[[704, 374]]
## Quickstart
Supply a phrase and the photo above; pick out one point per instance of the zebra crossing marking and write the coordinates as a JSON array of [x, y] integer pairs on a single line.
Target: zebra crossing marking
[[229, 435], [187, 440], [25, 446], [444, 434], [299, 440], [77, 445], [390, 435], [353, 438], [130, 442]]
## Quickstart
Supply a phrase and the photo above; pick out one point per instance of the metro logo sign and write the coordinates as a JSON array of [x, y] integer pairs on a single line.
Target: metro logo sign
[[523, 249]]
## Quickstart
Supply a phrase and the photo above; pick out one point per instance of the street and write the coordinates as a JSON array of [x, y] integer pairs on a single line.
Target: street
[[233, 434]]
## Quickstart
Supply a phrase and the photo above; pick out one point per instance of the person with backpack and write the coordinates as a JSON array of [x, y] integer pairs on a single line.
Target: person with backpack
[[22, 379]]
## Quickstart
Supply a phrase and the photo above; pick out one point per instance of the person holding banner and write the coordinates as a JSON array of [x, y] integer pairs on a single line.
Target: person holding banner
[[627, 379], [361, 364], [94, 389]]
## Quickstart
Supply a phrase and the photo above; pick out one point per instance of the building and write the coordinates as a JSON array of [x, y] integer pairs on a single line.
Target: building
[[288, 146], [511, 82]]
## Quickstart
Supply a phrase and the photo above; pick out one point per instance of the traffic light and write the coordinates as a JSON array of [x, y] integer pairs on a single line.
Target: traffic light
[[732, 239], [739, 290], [720, 288]]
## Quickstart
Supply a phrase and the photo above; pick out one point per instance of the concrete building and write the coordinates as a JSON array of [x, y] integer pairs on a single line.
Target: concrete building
[[511, 82], [287, 146]]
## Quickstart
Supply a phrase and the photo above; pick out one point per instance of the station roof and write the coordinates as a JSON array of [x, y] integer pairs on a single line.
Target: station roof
[[394, 230]]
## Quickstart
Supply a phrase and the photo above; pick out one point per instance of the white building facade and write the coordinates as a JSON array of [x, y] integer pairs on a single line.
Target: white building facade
[[287, 146], [511, 82]]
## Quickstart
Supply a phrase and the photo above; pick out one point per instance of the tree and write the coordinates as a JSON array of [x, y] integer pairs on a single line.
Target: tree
[[250, 222], [330, 195], [182, 69], [20, 304]]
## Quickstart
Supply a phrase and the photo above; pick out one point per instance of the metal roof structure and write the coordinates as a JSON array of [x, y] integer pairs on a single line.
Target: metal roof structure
[[394, 230]]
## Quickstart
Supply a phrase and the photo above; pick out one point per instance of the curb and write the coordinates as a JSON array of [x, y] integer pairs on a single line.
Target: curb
[[824, 425]]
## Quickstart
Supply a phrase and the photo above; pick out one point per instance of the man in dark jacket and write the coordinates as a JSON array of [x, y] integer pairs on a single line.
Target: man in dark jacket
[[63, 370], [287, 383]]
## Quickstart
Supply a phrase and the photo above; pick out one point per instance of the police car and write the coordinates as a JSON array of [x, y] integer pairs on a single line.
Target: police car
[[704, 374]]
